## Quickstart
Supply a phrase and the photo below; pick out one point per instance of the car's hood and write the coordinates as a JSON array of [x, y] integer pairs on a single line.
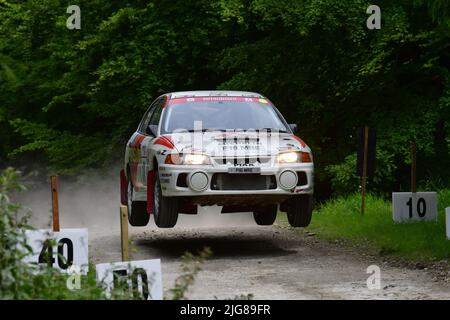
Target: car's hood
[[236, 144]]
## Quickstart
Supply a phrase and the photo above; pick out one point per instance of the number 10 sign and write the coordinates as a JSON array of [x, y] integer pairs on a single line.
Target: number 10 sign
[[414, 206]]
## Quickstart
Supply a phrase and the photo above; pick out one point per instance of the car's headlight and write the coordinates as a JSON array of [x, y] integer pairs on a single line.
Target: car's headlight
[[288, 157], [195, 159], [294, 157], [189, 159]]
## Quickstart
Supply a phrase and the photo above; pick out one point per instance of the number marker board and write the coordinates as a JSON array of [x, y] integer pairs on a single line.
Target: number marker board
[[59, 250], [417, 206], [142, 276]]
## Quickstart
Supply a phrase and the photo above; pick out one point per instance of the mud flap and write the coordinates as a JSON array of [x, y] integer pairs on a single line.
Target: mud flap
[[150, 183], [123, 188]]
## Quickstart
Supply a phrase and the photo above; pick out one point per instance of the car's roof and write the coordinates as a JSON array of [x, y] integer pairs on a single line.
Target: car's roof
[[214, 93]]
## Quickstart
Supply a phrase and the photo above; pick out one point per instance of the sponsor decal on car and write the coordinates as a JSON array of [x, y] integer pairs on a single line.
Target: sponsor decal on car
[[203, 99]]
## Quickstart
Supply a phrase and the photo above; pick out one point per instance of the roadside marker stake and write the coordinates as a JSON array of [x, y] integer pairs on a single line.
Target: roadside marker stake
[[413, 167], [124, 232], [364, 175], [447, 221], [55, 209], [365, 160]]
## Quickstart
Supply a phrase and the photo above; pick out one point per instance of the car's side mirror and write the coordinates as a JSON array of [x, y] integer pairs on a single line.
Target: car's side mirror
[[293, 126], [152, 130]]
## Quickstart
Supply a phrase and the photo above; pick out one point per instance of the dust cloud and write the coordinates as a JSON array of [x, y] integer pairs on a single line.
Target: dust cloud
[[92, 201]]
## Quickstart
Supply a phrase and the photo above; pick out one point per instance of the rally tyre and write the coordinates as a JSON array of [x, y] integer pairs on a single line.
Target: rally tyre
[[165, 208], [299, 210], [137, 210], [266, 216]]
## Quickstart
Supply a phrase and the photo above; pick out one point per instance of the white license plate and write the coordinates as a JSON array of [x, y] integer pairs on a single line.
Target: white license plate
[[244, 170]]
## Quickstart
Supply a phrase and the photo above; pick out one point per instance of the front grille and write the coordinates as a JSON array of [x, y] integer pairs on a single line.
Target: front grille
[[227, 181], [250, 160], [302, 180]]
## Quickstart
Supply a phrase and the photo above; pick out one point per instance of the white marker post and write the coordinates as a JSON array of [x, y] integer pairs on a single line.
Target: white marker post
[[142, 276], [447, 221], [414, 206]]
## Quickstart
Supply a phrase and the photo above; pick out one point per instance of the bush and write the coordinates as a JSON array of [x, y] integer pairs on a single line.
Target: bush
[[12, 237], [191, 266], [345, 181]]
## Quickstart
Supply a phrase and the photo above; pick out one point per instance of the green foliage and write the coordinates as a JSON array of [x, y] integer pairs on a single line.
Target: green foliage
[[340, 218], [50, 284], [191, 266], [438, 9], [12, 237], [84, 150], [344, 179], [76, 96]]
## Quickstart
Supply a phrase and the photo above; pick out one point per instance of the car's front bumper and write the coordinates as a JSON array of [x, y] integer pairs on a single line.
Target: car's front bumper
[[172, 185]]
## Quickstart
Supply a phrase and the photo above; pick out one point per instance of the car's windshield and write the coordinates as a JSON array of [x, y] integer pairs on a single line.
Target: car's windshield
[[221, 113]]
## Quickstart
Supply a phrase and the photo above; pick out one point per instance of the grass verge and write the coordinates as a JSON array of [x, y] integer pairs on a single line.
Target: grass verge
[[340, 219]]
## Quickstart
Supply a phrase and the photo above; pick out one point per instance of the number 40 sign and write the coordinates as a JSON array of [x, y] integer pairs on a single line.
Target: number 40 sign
[[59, 250], [414, 206]]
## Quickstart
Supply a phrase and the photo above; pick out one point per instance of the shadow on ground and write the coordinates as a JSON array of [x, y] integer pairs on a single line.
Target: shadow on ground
[[221, 246]]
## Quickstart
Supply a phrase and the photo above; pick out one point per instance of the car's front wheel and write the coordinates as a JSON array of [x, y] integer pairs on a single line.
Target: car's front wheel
[[299, 210], [165, 209], [137, 210], [266, 216]]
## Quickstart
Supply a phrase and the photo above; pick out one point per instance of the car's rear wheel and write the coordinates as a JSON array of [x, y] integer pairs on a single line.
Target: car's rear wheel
[[299, 210], [165, 209], [265, 216], [137, 210]]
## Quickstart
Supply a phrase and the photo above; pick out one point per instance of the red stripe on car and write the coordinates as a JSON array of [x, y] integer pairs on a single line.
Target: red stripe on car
[[137, 141], [299, 140], [164, 141], [166, 98]]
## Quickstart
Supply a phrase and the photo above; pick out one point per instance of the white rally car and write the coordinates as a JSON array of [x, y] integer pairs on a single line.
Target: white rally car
[[228, 148]]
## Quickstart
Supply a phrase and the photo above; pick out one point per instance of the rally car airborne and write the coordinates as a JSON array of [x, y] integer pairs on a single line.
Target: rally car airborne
[[228, 148]]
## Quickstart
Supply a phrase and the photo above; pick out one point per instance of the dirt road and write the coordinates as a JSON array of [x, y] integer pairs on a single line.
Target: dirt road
[[269, 263]]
